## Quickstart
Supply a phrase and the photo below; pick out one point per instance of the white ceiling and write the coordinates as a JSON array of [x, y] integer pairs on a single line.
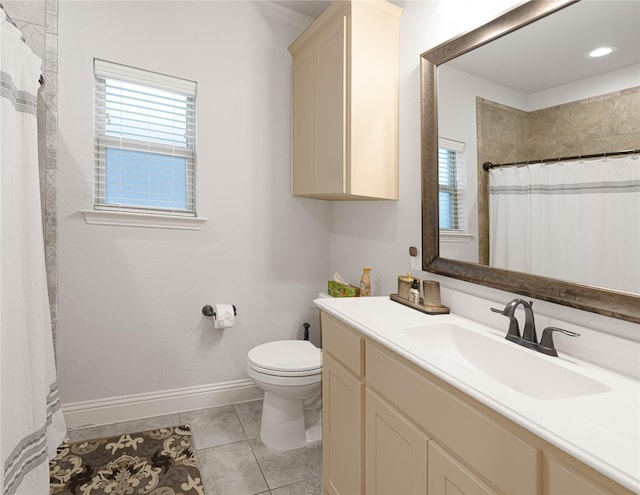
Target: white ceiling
[[550, 52], [312, 8]]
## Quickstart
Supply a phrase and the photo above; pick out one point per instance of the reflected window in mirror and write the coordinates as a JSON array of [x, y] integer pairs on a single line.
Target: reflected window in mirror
[[451, 182]]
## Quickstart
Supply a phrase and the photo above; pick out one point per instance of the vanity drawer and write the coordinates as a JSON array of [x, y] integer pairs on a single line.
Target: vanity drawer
[[504, 460], [342, 343]]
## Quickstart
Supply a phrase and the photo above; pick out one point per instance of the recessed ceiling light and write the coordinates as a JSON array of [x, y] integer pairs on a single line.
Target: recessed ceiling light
[[601, 51]]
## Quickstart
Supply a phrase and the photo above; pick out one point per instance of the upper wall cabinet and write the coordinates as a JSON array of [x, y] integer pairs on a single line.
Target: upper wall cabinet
[[345, 103]]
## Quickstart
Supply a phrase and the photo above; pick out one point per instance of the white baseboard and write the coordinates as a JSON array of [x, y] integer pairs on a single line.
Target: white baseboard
[[129, 407]]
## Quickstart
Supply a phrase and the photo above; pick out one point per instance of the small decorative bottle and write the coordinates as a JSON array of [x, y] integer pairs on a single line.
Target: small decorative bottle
[[365, 282], [414, 292]]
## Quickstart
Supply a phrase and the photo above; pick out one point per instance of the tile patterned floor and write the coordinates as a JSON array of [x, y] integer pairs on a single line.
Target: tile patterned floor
[[233, 460]]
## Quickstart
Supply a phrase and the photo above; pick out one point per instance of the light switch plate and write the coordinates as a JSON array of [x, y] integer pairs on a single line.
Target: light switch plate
[[415, 259]]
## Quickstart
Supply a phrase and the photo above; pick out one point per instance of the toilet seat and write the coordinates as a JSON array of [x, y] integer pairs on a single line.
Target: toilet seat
[[286, 358]]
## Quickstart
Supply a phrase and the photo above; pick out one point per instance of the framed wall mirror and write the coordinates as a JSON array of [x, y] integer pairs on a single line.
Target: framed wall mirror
[[510, 72]]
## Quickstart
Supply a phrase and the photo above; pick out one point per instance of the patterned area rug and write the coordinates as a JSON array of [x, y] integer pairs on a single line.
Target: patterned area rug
[[155, 462]]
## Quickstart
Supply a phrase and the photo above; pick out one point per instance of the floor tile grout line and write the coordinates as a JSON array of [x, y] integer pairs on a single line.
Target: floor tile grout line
[[248, 442], [252, 450], [244, 430], [264, 477]]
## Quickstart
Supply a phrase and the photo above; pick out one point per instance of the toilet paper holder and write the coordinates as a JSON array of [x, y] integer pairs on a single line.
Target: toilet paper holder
[[208, 311]]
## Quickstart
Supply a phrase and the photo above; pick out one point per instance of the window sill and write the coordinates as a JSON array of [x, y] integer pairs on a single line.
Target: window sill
[[128, 219], [456, 237]]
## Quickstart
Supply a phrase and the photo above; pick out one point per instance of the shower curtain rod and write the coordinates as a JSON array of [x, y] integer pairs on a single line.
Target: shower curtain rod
[[8, 17], [488, 165]]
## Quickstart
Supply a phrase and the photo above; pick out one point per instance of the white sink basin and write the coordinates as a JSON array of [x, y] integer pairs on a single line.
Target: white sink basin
[[514, 366]]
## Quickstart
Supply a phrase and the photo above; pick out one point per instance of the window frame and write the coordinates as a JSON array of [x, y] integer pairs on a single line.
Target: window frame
[[456, 187], [145, 215]]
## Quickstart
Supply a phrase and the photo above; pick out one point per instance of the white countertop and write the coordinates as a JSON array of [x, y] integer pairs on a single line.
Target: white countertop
[[602, 430]]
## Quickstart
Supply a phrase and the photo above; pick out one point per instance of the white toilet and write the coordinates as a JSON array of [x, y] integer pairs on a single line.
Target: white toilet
[[289, 372]]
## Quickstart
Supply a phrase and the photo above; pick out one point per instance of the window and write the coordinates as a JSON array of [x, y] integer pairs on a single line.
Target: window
[[144, 141], [451, 184]]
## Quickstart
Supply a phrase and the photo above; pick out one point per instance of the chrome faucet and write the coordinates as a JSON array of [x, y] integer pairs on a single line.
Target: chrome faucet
[[529, 337]]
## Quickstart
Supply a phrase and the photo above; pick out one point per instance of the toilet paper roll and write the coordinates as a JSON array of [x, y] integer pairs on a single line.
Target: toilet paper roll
[[224, 317]]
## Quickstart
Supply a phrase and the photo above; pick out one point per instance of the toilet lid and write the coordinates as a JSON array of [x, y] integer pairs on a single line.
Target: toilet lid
[[286, 356]]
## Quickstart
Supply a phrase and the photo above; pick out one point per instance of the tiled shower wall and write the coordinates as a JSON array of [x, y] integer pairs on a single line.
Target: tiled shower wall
[[601, 124], [38, 21]]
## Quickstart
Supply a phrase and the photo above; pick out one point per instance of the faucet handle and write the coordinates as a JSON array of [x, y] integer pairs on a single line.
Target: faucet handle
[[546, 342], [514, 329]]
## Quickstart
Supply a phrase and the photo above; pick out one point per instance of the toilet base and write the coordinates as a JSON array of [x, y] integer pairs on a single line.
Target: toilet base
[[283, 426], [313, 434]]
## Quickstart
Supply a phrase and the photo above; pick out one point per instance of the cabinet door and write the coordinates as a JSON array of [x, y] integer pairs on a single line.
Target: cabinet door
[[563, 480], [342, 429], [329, 107], [396, 451], [448, 477], [303, 128]]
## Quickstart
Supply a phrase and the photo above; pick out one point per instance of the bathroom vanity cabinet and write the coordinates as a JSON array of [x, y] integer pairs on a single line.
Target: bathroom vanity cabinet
[[345, 103], [342, 397], [390, 426]]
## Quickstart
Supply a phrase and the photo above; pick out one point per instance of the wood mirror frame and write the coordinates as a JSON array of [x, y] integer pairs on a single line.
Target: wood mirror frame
[[616, 304]]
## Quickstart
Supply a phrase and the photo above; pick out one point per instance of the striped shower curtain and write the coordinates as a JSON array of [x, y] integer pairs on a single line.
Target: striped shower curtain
[[32, 425], [576, 220]]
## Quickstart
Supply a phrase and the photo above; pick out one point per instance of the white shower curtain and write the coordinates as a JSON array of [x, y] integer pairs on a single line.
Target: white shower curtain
[[575, 220], [30, 414]]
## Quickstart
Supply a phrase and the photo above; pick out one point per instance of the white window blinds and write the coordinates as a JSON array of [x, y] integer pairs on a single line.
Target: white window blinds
[[144, 141], [451, 181]]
